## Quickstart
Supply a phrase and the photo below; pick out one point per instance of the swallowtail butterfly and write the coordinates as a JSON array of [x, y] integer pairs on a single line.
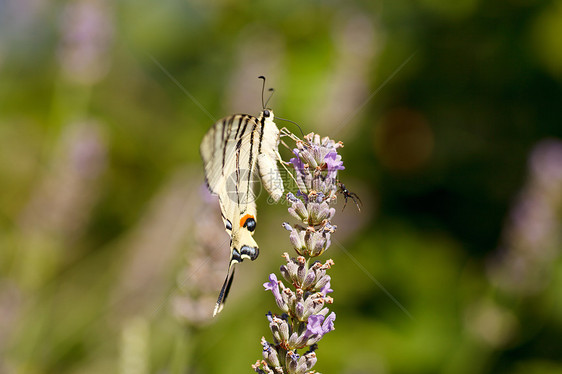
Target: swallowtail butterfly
[[233, 149]]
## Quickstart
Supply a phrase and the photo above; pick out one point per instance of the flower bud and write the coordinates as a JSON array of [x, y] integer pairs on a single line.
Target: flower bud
[[309, 280], [301, 270], [291, 360], [285, 273], [269, 353], [283, 330]]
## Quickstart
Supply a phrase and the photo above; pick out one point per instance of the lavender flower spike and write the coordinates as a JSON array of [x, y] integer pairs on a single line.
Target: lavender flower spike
[[305, 319]]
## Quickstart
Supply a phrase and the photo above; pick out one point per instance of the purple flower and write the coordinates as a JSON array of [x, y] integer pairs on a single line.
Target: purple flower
[[303, 195], [302, 172], [273, 286], [314, 326], [333, 164], [318, 325], [328, 324], [326, 289], [306, 319], [297, 162]]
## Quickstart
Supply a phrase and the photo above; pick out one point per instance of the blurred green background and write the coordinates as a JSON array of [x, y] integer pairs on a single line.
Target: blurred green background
[[111, 252]]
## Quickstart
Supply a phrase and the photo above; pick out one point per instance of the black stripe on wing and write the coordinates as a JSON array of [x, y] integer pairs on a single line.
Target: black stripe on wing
[[229, 130], [262, 124], [252, 138], [227, 138], [245, 121]]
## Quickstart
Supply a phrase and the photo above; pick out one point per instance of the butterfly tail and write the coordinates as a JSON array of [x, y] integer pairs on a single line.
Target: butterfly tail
[[225, 288]]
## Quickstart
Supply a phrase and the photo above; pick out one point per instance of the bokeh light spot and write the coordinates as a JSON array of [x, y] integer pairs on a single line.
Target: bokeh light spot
[[403, 140]]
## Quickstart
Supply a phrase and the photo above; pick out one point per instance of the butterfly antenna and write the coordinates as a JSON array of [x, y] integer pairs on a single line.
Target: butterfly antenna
[[262, 91], [293, 122], [269, 98]]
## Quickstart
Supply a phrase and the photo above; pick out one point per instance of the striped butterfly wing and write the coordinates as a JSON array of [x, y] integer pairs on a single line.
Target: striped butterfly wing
[[232, 150], [230, 153]]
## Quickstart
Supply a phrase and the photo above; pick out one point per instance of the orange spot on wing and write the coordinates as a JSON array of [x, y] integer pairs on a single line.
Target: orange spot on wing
[[243, 219]]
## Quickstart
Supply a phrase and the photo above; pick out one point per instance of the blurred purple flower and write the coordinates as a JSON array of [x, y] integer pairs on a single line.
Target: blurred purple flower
[[86, 38], [531, 237], [546, 162]]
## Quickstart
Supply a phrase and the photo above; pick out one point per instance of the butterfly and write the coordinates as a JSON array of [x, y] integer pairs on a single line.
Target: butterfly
[[233, 149]]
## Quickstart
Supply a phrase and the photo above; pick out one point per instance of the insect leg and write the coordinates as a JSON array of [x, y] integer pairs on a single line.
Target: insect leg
[[348, 194]]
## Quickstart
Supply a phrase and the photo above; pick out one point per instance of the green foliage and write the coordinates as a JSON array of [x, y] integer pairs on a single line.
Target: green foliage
[[100, 179]]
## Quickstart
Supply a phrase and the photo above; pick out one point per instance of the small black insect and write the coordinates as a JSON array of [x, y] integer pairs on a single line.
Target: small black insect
[[348, 194]]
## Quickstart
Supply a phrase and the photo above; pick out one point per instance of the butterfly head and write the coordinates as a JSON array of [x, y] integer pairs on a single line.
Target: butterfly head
[[267, 114], [242, 244]]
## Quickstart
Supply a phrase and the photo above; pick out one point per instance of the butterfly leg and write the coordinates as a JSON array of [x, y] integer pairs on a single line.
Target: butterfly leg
[[285, 132], [284, 165], [285, 145]]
